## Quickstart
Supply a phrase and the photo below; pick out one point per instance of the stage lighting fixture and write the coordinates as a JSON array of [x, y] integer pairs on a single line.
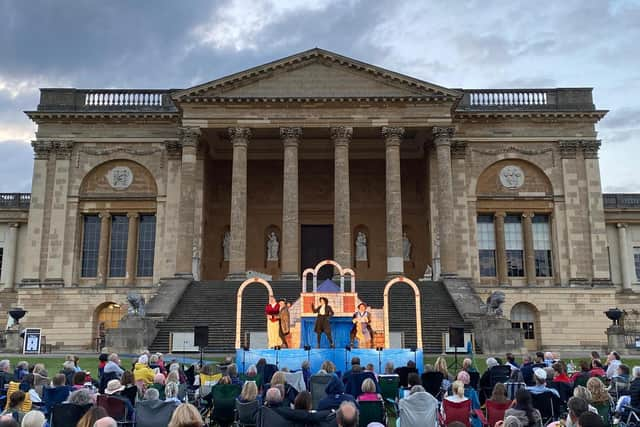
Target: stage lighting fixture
[[348, 348], [307, 348], [245, 348], [379, 348]]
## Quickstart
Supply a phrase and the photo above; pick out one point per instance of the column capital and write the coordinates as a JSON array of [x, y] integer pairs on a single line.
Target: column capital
[[189, 136], [133, 215], [104, 215], [14, 225], [174, 148], [393, 135], [63, 149], [568, 149], [459, 149], [290, 134], [621, 225], [528, 215], [240, 135], [42, 149], [442, 135], [341, 135], [500, 214], [590, 148]]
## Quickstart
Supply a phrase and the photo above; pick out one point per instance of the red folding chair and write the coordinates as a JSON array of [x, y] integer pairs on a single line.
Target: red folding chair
[[456, 411], [495, 411], [116, 408]]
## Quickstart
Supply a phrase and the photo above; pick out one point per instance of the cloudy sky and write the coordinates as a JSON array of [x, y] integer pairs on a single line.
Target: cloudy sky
[[176, 44]]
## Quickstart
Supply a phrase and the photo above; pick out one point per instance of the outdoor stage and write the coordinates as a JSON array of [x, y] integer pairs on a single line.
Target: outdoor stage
[[341, 357]]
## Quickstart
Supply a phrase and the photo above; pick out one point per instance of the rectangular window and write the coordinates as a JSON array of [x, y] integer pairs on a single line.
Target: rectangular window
[[636, 261], [529, 331], [486, 236], [514, 245], [90, 246], [146, 245], [542, 245], [118, 248]]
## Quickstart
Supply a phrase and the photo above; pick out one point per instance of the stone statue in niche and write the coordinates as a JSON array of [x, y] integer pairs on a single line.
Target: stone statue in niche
[[406, 247], [511, 176], [120, 177], [272, 247], [226, 242], [428, 273], [361, 246]]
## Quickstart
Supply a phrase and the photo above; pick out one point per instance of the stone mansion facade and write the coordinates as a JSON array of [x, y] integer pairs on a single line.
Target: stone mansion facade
[[320, 156]]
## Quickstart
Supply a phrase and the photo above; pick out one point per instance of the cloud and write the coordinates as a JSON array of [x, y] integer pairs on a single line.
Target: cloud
[[17, 167]]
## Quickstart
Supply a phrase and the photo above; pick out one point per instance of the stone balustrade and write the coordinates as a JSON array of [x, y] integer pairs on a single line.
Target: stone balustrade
[[108, 100], [123, 98], [526, 99], [15, 200], [621, 201]]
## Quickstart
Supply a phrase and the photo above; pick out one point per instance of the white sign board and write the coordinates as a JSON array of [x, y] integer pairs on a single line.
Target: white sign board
[[183, 342], [31, 343]]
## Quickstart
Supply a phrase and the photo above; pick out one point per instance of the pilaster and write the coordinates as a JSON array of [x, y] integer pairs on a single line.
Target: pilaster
[[9, 257], [393, 197]]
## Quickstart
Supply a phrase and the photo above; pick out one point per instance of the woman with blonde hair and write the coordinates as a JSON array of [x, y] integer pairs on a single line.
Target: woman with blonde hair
[[598, 392], [33, 419], [186, 415], [457, 395], [91, 416], [279, 379], [441, 366], [369, 393]]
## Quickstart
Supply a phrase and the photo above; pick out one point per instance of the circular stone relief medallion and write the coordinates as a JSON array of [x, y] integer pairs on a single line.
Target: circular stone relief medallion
[[120, 178], [511, 176]]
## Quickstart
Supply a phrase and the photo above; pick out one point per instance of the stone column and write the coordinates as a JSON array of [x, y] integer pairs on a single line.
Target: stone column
[[442, 141], [189, 138], [341, 137], [623, 255], [103, 248], [9, 256], [290, 221], [393, 197], [529, 251], [501, 253], [238, 222], [132, 249]]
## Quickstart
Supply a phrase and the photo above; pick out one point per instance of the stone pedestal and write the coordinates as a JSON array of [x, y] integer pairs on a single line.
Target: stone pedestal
[[361, 266], [273, 268], [615, 339], [13, 342], [496, 336], [134, 335]]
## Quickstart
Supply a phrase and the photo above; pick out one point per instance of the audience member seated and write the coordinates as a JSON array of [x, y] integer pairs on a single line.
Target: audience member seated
[[613, 361], [347, 415], [355, 367], [576, 407], [5, 374], [539, 360], [589, 419], [81, 397], [582, 376], [511, 361], [527, 370], [600, 399], [524, 411], [106, 422], [290, 393], [335, 395], [441, 366], [495, 373], [40, 378], [68, 370], [186, 415], [549, 359], [27, 386], [597, 369], [130, 391], [634, 388], [142, 372], [172, 392], [232, 372], [560, 373], [515, 383], [14, 408], [388, 368], [306, 372], [22, 369], [471, 394], [114, 389], [113, 366], [152, 411], [158, 384], [57, 393], [620, 382], [419, 409], [584, 394], [369, 392], [431, 381], [540, 378], [33, 418], [404, 371], [91, 416]]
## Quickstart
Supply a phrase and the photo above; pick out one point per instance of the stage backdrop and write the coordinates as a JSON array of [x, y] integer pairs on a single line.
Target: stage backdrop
[[293, 358], [340, 330]]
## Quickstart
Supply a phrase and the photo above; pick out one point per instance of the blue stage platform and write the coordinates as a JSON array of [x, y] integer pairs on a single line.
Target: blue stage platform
[[293, 358]]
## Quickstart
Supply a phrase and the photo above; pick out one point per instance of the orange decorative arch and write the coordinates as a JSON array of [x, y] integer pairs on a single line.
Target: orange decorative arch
[[239, 302], [314, 272], [416, 291]]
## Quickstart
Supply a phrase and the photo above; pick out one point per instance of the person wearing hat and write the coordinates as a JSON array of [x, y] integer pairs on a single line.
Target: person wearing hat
[[114, 390], [323, 322], [540, 378], [362, 327], [285, 332]]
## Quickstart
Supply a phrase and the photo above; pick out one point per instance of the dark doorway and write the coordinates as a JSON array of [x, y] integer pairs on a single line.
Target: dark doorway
[[317, 245]]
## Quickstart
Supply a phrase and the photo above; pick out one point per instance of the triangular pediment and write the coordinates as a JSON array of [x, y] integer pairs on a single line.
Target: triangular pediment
[[316, 74]]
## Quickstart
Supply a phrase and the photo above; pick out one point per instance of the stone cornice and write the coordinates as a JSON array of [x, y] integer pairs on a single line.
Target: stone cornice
[[43, 116], [596, 115], [315, 99]]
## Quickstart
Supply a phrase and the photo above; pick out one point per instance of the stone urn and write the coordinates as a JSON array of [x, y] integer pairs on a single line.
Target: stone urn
[[17, 313], [614, 314]]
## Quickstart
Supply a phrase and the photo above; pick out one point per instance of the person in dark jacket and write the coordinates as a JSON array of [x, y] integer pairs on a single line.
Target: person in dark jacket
[[634, 388], [335, 395], [323, 323], [527, 370]]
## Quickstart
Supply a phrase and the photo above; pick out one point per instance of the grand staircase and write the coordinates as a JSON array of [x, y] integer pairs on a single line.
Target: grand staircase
[[213, 303]]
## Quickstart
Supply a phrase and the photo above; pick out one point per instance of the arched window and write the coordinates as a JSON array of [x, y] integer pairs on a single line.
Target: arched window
[[524, 316], [108, 316]]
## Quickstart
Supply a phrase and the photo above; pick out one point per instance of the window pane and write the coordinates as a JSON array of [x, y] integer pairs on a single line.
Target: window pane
[[514, 245], [487, 263], [515, 263], [90, 246], [118, 251], [1, 253], [543, 263], [542, 245], [146, 245], [486, 237]]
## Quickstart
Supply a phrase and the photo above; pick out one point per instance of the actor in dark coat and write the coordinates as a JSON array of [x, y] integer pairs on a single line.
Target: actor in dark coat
[[284, 323], [323, 324]]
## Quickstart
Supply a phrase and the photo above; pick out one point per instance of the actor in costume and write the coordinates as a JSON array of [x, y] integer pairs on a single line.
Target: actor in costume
[[361, 329], [323, 324], [272, 310], [284, 323]]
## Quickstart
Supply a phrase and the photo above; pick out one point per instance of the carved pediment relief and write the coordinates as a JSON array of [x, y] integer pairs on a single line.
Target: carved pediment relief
[[118, 178], [513, 177]]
